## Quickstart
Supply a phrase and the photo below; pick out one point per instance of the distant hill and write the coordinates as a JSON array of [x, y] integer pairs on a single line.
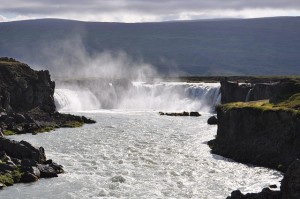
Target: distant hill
[[264, 46]]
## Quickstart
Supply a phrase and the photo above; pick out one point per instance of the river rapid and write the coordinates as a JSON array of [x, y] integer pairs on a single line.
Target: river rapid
[[139, 154]]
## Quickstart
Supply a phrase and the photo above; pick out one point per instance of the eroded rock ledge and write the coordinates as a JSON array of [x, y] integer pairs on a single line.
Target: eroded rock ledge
[[269, 138], [22, 162]]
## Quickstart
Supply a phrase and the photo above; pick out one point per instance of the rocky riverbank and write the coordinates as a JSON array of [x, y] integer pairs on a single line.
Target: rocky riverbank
[[27, 106], [264, 133], [289, 188], [22, 162]]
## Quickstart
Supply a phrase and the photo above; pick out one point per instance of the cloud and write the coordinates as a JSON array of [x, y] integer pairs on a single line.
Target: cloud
[[141, 10]]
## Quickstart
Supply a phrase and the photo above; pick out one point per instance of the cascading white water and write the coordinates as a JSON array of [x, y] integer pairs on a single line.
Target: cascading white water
[[75, 100], [248, 95], [172, 96], [164, 96]]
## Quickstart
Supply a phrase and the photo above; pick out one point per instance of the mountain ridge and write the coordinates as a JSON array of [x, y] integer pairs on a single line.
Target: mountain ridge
[[261, 46]]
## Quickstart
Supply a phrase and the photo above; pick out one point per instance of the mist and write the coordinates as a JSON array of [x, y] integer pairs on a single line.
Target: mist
[[70, 59], [89, 81]]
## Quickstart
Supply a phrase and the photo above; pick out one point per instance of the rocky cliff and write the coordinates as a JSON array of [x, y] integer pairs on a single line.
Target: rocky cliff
[[263, 132], [264, 137], [22, 89], [275, 90], [26, 100]]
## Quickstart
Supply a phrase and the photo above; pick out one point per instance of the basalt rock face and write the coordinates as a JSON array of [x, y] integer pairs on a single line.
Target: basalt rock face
[[233, 92], [290, 185], [22, 89], [269, 138], [275, 91], [26, 100]]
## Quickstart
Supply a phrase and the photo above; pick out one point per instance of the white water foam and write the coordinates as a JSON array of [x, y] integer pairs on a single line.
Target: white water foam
[[75, 100], [139, 155]]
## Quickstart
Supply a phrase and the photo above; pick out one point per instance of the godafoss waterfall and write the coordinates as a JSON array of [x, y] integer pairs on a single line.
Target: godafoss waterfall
[[133, 152]]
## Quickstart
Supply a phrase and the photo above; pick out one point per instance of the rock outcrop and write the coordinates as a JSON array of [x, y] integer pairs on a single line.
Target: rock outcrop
[[234, 92], [192, 114], [22, 89], [275, 91], [22, 162], [26, 100], [269, 138], [212, 120]]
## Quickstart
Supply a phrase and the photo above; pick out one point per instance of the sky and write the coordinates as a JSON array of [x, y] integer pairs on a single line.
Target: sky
[[131, 11]]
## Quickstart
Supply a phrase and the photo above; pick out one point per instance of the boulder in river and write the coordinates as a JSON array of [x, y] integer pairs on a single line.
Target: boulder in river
[[212, 120]]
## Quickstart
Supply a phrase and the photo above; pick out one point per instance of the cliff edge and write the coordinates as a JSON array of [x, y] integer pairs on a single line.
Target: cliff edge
[[26, 100]]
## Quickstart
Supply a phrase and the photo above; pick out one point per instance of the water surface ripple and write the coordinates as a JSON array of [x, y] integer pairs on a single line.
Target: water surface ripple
[[139, 155]]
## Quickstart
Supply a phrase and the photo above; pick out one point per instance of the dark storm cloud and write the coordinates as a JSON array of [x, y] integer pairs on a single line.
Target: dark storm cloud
[[158, 8]]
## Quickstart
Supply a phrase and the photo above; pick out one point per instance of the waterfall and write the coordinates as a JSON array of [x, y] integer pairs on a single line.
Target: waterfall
[[75, 100], [248, 95], [163, 96]]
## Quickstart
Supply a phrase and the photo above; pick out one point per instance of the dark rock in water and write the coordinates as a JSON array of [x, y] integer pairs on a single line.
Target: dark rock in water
[[25, 161], [58, 168], [1, 186], [87, 120], [212, 120], [195, 114], [48, 161], [120, 179], [290, 184], [28, 177], [236, 195], [47, 171], [266, 193], [31, 169], [289, 189], [273, 186]]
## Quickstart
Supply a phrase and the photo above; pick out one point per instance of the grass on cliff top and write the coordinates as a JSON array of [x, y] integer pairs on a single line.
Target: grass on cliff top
[[291, 104], [8, 61]]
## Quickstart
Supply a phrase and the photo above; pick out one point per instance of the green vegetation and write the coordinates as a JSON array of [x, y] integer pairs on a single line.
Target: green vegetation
[[8, 132], [9, 179], [72, 124], [44, 129], [292, 104]]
